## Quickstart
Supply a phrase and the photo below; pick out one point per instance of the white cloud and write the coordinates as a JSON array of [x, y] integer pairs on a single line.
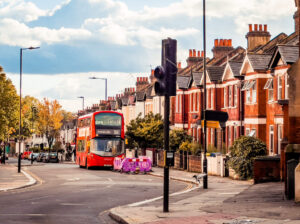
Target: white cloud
[[67, 87], [26, 11], [14, 33], [125, 27]]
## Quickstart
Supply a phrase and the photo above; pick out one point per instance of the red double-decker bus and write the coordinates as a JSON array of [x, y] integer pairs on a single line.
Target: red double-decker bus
[[100, 138]]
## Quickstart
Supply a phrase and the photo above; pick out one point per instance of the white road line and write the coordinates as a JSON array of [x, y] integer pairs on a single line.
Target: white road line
[[158, 198], [72, 204]]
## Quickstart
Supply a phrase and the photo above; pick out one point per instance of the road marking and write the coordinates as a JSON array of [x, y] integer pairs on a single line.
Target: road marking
[[72, 204], [158, 198], [74, 179], [230, 193]]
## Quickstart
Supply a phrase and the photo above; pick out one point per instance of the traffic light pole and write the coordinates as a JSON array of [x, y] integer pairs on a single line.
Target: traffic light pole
[[204, 100], [166, 148]]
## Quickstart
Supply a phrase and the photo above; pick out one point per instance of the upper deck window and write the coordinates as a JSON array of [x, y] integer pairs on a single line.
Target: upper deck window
[[108, 119]]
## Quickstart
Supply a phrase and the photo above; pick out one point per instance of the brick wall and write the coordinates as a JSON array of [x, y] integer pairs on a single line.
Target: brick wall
[[194, 164], [266, 169]]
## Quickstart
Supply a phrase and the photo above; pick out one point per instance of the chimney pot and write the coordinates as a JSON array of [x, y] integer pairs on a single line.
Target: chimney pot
[[221, 44], [199, 54], [194, 53], [260, 27], [250, 27], [179, 65], [230, 43], [190, 53], [216, 42], [255, 27], [152, 71], [265, 27], [202, 54], [226, 43]]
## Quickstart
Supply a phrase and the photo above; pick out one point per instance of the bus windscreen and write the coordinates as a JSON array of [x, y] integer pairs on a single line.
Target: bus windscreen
[[105, 119]]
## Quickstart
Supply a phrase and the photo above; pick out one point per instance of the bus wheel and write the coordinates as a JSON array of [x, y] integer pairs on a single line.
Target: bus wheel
[[86, 165]]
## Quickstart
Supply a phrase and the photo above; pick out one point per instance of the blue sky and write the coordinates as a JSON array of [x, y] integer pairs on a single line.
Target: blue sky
[[117, 39]]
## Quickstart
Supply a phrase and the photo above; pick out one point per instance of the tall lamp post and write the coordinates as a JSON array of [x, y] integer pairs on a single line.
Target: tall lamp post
[[105, 84], [204, 99], [20, 118], [82, 97]]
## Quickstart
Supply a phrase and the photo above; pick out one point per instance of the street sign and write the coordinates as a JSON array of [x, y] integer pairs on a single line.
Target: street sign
[[211, 124]]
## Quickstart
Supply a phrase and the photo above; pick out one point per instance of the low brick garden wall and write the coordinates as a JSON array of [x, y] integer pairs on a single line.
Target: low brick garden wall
[[194, 164]]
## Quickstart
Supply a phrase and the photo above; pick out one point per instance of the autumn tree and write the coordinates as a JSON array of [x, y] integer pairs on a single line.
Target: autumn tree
[[9, 105], [49, 119], [29, 115]]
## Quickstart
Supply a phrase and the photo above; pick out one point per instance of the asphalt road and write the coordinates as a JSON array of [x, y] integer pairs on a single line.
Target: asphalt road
[[68, 194]]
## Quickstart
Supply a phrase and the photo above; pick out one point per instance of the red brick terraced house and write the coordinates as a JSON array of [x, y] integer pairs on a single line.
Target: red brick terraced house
[[214, 100], [277, 96], [255, 72], [232, 101]]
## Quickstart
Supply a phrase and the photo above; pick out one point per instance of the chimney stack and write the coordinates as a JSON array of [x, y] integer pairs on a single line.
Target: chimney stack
[[193, 58], [258, 37], [222, 47]]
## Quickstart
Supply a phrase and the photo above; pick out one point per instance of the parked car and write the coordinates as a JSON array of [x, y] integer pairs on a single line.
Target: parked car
[[53, 157], [42, 157], [33, 156], [45, 158], [26, 154], [39, 157]]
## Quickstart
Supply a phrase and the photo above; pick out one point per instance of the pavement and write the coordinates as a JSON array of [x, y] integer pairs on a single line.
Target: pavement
[[10, 179], [225, 201]]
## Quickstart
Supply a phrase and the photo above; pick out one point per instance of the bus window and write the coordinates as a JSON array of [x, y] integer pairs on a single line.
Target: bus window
[[107, 147]]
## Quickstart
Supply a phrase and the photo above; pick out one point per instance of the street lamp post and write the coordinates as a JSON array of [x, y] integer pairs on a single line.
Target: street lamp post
[[82, 97], [105, 84], [204, 99], [20, 109]]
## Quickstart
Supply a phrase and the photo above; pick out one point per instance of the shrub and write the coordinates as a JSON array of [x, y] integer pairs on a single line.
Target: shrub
[[192, 148], [242, 154], [211, 149]]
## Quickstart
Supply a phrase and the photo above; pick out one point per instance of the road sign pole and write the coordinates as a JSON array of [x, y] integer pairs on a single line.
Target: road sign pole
[[166, 147]]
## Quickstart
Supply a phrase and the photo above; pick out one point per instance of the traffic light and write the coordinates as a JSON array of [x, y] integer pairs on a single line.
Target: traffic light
[[161, 83], [167, 73]]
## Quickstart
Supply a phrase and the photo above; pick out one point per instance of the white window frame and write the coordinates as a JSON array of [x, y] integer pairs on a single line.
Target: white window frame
[[229, 96], [207, 98], [229, 135], [248, 96], [279, 88], [247, 131], [286, 87], [269, 86], [195, 102], [190, 102], [279, 138], [271, 139], [211, 99], [177, 104], [225, 97], [235, 96], [254, 91]]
